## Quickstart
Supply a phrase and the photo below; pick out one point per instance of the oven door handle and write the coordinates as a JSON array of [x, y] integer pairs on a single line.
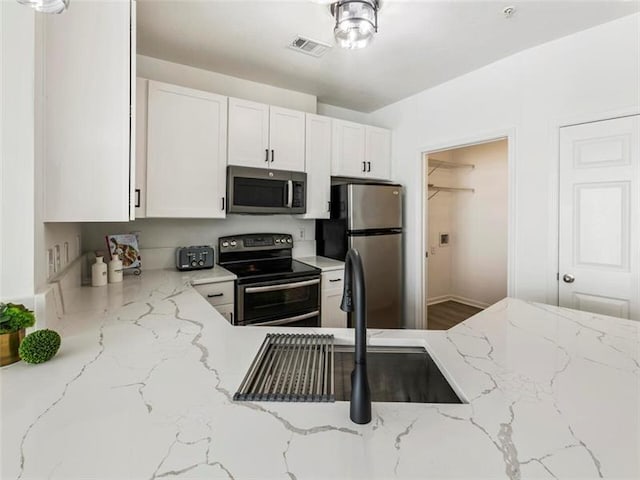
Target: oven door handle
[[285, 321], [281, 286], [289, 194]]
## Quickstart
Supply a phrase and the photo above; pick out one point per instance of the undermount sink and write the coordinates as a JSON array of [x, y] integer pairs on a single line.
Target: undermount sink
[[396, 374]]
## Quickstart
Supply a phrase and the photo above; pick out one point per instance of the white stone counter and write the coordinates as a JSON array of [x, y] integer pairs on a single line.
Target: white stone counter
[[323, 263], [142, 388]]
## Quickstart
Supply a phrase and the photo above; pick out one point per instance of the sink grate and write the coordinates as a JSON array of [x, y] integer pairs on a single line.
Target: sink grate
[[291, 368]]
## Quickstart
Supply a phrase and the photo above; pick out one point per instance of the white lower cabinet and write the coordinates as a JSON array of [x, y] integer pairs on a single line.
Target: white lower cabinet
[[226, 311], [332, 289], [221, 295]]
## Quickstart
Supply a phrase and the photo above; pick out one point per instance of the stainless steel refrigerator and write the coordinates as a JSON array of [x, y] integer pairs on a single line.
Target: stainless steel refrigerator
[[368, 217]]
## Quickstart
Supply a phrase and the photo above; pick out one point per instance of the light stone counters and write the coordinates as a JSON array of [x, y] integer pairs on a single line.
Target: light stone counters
[[142, 389]]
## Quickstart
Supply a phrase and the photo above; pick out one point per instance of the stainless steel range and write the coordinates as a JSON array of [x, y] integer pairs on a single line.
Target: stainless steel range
[[272, 288]]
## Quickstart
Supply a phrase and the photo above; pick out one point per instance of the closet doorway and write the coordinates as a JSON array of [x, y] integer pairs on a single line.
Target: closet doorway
[[466, 231]]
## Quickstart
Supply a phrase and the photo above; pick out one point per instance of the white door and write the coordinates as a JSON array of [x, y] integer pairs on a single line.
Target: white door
[[186, 152], [378, 153], [348, 157], [599, 217], [248, 133], [318, 166], [286, 139]]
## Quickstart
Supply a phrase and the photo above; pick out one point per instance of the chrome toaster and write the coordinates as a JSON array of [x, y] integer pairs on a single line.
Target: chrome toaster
[[195, 257]]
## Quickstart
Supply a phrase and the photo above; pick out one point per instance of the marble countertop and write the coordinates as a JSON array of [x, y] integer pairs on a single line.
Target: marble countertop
[[143, 389], [323, 263]]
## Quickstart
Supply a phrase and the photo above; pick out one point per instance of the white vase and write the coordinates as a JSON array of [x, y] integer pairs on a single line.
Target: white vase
[[115, 269], [99, 273]]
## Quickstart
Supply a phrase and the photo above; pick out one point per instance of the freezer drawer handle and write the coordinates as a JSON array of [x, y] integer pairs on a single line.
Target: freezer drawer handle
[[284, 321], [283, 286]]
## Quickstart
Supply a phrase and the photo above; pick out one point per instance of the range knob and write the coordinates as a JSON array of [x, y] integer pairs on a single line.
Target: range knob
[[289, 240], [225, 244], [201, 262], [277, 240], [233, 243], [194, 263]]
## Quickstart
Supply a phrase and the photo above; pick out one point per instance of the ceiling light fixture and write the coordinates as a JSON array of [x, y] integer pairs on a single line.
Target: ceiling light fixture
[[356, 22], [46, 6]]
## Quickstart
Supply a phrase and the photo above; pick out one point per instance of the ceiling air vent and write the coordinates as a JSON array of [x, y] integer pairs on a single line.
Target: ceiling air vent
[[308, 46]]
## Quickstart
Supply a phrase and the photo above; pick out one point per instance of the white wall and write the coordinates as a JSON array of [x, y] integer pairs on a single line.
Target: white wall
[[479, 225], [343, 113], [163, 233], [17, 152], [587, 75], [186, 76]]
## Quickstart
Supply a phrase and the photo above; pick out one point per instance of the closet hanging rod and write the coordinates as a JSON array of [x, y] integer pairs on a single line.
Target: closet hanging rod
[[437, 189]]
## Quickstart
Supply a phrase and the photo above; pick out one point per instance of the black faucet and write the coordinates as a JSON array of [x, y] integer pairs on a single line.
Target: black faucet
[[354, 300]]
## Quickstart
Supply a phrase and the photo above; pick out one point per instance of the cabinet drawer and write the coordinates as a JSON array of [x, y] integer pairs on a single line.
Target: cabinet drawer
[[333, 280], [217, 293], [226, 311]]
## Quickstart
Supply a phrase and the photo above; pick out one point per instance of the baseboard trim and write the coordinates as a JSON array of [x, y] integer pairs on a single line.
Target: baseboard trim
[[448, 298]]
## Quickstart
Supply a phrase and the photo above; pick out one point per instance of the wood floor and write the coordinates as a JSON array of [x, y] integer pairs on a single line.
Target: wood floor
[[443, 316]]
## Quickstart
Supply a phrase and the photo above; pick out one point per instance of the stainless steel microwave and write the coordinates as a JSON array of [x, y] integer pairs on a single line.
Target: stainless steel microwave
[[262, 191]]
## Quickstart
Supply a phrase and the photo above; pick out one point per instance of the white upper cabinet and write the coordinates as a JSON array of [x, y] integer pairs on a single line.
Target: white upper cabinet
[[286, 139], [248, 133], [318, 165], [378, 153], [360, 151], [261, 136], [89, 89], [186, 152], [140, 190], [348, 158]]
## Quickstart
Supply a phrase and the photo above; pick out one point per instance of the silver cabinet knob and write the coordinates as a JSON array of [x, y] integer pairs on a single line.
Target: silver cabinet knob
[[568, 278]]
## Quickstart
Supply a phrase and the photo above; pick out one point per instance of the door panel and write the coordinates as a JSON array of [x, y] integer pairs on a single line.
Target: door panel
[[286, 139], [348, 143], [374, 206], [248, 133], [382, 263], [378, 152], [600, 217]]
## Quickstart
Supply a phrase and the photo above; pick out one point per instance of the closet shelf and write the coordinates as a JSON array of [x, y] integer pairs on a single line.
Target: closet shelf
[[435, 164], [436, 189]]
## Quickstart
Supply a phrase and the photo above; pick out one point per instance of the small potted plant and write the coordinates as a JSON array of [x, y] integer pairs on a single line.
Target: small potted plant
[[14, 319]]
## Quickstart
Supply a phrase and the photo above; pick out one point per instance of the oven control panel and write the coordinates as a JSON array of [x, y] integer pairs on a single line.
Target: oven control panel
[[255, 242]]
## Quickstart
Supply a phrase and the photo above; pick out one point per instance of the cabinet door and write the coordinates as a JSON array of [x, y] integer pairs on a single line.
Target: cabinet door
[[348, 158], [248, 133], [378, 153], [318, 166], [226, 311], [86, 113], [140, 190], [332, 289], [286, 139], [186, 151]]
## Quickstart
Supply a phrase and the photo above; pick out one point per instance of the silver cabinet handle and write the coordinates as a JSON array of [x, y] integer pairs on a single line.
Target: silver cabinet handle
[[285, 321], [282, 286], [568, 278]]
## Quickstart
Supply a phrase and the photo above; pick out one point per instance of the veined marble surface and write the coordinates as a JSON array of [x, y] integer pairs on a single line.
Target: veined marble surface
[[142, 388]]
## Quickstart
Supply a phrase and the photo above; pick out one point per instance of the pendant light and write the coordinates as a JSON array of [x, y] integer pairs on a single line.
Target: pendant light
[[356, 22], [46, 6]]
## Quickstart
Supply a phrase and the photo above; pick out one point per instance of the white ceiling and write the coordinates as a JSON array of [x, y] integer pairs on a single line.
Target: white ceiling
[[420, 43]]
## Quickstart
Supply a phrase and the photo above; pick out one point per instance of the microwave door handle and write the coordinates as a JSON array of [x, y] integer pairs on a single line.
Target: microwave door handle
[[281, 286], [285, 321], [289, 193]]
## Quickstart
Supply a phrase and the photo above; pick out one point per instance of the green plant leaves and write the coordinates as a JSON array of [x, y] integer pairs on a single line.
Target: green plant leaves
[[39, 346], [14, 317]]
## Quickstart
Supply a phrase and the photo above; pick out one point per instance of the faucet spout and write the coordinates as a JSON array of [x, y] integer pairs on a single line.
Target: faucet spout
[[354, 301]]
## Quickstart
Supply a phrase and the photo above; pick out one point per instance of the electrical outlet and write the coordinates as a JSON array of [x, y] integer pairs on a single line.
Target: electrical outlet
[[57, 257], [301, 234]]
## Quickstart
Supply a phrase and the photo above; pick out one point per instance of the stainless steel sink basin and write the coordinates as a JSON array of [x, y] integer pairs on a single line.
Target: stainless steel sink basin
[[396, 374]]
